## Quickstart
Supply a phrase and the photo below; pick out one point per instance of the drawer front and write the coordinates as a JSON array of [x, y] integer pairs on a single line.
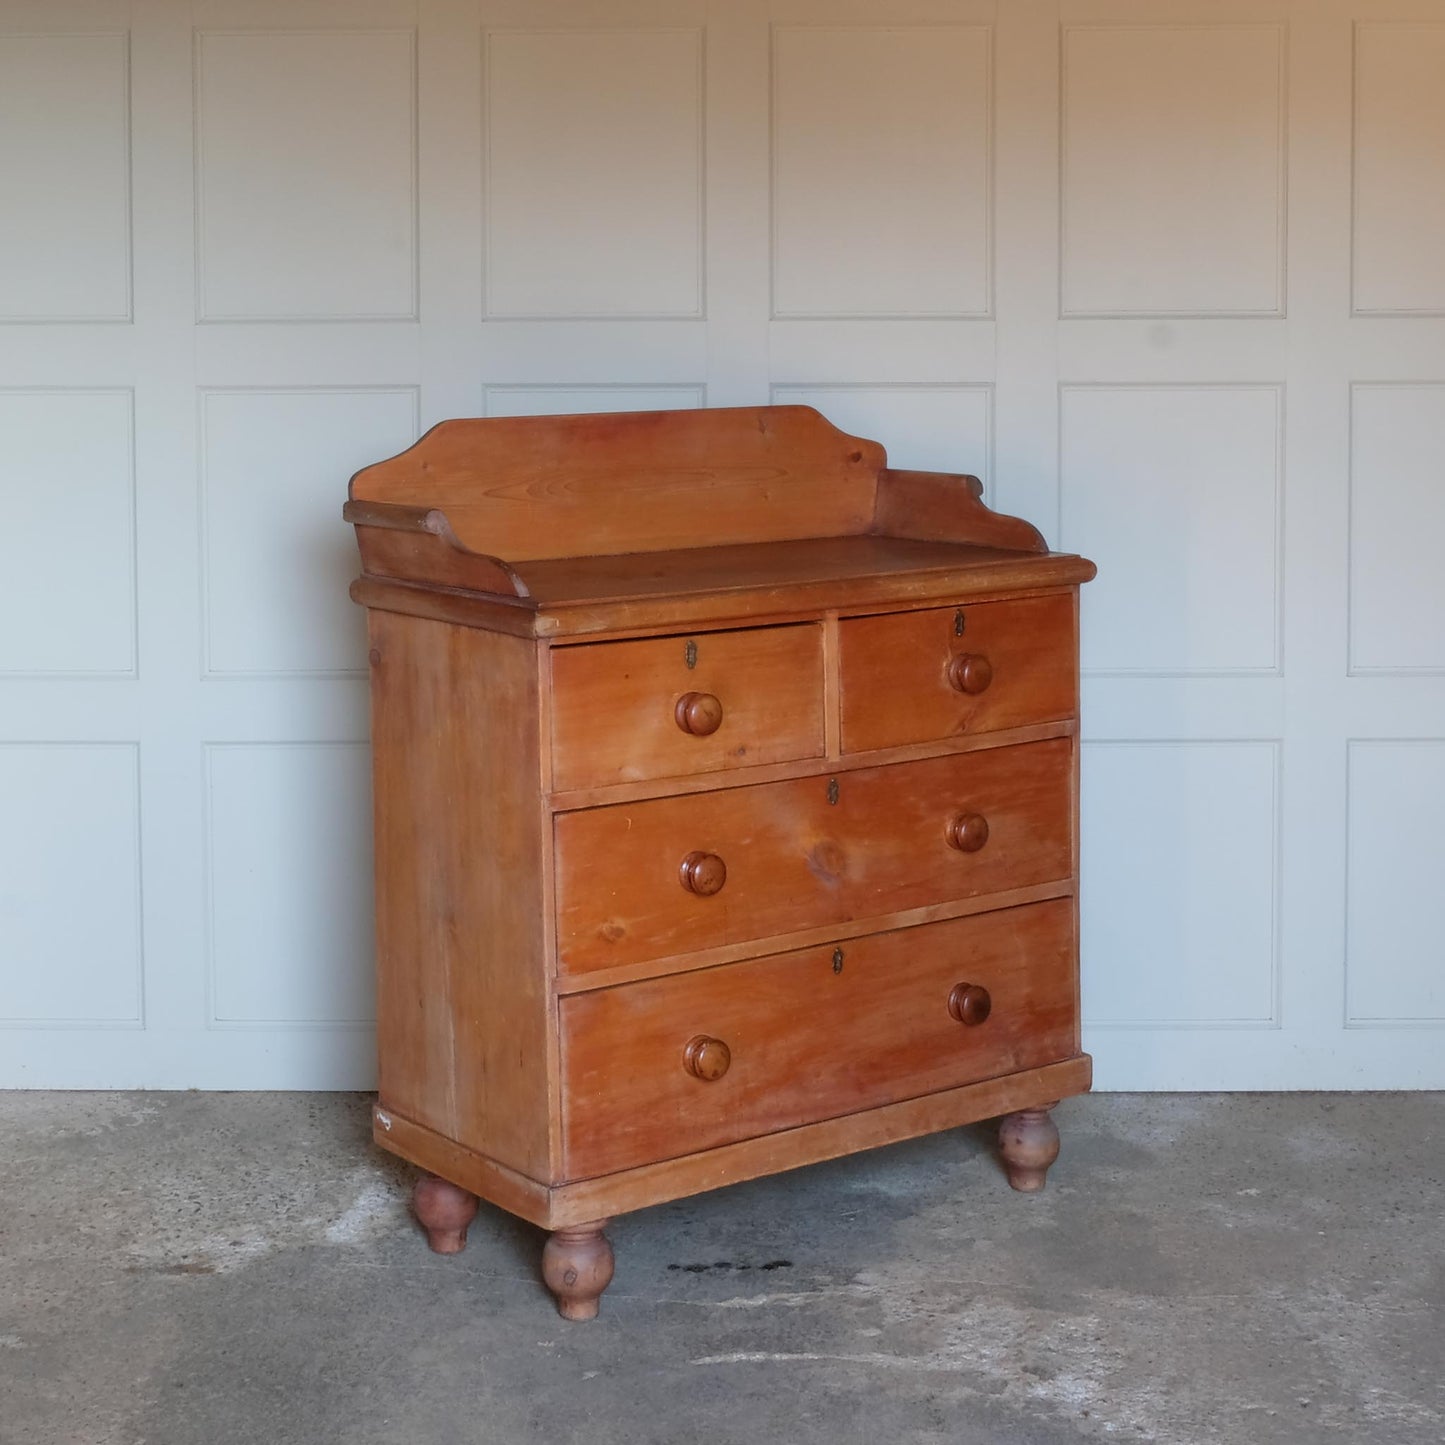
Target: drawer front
[[638, 881], [812, 1034], [913, 677], [669, 706]]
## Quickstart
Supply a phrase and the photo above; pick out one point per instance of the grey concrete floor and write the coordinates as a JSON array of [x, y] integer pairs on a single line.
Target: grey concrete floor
[[188, 1269]]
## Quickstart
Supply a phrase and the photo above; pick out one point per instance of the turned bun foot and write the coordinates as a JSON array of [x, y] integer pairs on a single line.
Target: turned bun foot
[[444, 1211], [577, 1266], [1028, 1142]]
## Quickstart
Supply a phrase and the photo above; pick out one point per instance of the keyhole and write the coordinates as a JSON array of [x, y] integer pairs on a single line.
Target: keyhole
[[837, 960]]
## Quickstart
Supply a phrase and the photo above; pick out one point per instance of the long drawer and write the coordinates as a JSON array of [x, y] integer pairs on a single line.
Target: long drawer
[[673, 1065], [673, 706], [912, 677], [638, 881]]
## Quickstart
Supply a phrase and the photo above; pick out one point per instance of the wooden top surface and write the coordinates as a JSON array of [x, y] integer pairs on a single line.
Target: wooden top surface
[[767, 566], [733, 586]]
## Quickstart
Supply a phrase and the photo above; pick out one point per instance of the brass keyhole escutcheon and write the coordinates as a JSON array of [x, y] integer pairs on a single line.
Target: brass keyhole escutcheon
[[958, 623], [837, 960], [832, 792], [689, 653]]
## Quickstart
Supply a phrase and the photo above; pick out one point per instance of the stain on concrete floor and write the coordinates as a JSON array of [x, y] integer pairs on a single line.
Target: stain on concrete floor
[[231, 1269]]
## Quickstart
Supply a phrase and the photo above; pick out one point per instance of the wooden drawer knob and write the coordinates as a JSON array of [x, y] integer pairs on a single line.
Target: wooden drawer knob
[[968, 832], [698, 713], [707, 1059], [969, 1003], [703, 873], [970, 672]]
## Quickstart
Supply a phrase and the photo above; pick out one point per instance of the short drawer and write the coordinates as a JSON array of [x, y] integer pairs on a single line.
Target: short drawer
[[663, 1068], [638, 881], [913, 677], [669, 706]]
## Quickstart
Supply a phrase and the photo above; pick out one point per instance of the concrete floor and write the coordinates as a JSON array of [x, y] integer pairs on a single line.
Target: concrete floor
[[1235, 1270]]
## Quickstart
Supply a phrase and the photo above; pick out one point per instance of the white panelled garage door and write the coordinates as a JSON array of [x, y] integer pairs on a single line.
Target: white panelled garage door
[[1166, 273]]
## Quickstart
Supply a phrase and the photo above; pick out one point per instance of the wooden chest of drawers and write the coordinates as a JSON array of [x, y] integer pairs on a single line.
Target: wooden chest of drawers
[[726, 789]]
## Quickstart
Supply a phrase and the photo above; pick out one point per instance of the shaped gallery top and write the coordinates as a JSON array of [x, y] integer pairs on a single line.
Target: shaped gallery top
[[567, 525]]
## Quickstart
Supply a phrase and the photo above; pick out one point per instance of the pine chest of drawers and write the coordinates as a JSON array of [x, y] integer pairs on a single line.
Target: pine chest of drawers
[[726, 795]]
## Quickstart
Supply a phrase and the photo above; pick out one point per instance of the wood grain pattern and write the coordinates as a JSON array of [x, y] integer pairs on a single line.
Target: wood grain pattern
[[444, 1212], [940, 506], [726, 810], [462, 986], [568, 799], [807, 1041], [828, 1139], [794, 859], [614, 709], [783, 566], [718, 588], [577, 1265], [899, 581], [410, 542], [525, 487], [565, 983], [512, 615], [1028, 1144], [895, 670], [471, 1167], [588, 1199]]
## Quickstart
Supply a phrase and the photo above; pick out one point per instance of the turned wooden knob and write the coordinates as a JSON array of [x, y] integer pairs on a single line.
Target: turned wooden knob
[[970, 1003], [698, 713], [968, 832], [970, 672], [707, 1059], [703, 873]]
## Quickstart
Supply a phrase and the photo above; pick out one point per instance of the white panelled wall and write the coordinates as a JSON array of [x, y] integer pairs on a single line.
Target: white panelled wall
[[1166, 273]]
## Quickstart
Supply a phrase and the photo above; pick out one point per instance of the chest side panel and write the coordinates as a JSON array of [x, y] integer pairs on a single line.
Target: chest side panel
[[463, 1012]]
